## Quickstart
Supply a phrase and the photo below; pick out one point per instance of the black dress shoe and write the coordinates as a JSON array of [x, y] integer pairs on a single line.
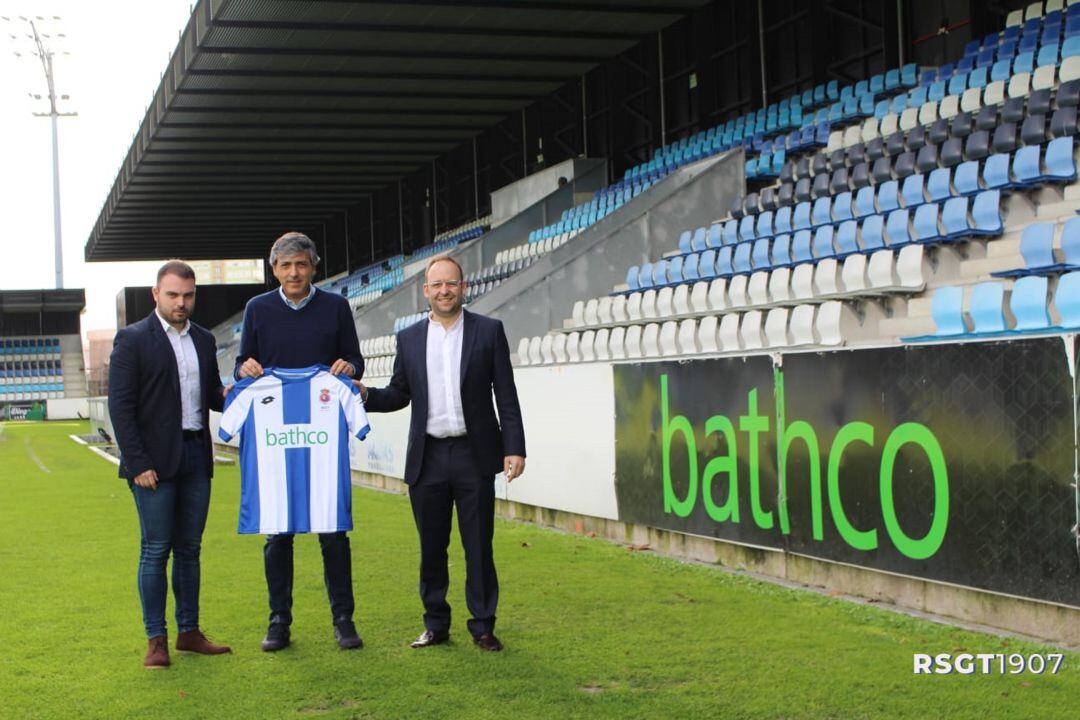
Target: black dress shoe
[[488, 641], [430, 637], [346, 636], [277, 637]]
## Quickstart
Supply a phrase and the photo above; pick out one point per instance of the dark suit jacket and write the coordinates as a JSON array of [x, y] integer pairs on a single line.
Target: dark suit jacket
[[485, 365], [144, 396]]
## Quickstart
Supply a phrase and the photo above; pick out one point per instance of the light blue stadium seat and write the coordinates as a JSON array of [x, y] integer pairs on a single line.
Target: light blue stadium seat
[[899, 104], [847, 238], [801, 247], [801, 217], [1048, 55], [925, 223], [1024, 63], [939, 185], [781, 250], [947, 309], [986, 213], [897, 228], [888, 196], [1028, 303], [842, 207], [764, 227], [913, 191], [731, 232], [892, 79], [957, 84], [746, 228], [937, 91], [987, 307], [660, 273], [996, 172], [684, 241], [645, 276], [823, 245], [1070, 47], [978, 78], [1070, 241], [966, 179], [697, 242], [917, 98], [909, 75], [675, 271], [1001, 70], [1067, 299], [864, 202], [714, 238], [631, 281], [782, 220], [822, 212], [723, 261], [873, 233], [1060, 165], [707, 264], [741, 260], [760, 255]]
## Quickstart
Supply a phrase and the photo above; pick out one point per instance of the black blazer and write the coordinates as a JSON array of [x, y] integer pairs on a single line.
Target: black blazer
[[485, 366], [144, 396]]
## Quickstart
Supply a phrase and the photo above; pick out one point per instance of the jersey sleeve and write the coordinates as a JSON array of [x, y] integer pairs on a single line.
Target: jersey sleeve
[[353, 407], [237, 407]]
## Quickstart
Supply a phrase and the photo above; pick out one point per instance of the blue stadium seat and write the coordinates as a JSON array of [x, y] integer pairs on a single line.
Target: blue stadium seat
[[925, 224], [823, 245], [660, 273], [731, 232], [632, 277], [864, 202], [760, 255], [1060, 164], [746, 228], [764, 226], [1067, 299], [822, 212], [939, 185], [1001, 70], [986, 213], [781, 251], [996, 172], [697, 241], [913, 191], [888, 196], [684, 241], [801, 247], [714, 238], [897, 228], [842, 207], [1028, 304], [782, 220], [801, 217], [966, 179], [947, 309], [873, 233], [987, 307], [707, 264], [645, 276], [741, 259]]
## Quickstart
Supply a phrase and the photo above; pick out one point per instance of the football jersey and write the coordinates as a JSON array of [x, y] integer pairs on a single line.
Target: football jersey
[[294, 428]]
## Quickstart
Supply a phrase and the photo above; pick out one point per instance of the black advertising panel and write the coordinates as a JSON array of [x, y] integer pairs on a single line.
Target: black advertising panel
[[947, 462]]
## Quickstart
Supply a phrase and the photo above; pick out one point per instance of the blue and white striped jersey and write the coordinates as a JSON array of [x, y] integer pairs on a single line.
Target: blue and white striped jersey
[[294, 428]]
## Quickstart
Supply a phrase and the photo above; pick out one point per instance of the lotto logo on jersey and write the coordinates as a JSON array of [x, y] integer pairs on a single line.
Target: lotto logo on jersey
[[297, 437]]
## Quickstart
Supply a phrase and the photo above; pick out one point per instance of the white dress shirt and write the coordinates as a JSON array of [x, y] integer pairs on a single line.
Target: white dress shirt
[[445, 416], [187, 367], [303, 301]]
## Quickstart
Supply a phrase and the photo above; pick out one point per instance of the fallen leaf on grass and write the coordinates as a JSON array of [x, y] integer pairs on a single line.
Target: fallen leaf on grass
[[526, 545], [592, 689], [183, 694], [590, 534]]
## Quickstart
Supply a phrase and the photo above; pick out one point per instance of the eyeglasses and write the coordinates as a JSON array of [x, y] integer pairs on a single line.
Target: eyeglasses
[[440, 284]]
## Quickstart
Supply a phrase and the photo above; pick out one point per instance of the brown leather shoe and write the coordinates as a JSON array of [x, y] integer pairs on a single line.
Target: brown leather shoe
[[194, 641], [157, 655], [488, 642], [429, 638]]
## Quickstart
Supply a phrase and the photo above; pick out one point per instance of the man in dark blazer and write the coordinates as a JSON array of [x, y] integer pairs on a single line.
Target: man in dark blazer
[[163, 382], [447, 366]]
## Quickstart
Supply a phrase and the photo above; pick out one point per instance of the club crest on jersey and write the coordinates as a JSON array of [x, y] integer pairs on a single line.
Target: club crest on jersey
[[324, 396]]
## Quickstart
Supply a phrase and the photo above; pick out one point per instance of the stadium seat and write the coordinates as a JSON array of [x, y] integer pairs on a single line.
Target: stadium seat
[[987, 304], [946, 307]]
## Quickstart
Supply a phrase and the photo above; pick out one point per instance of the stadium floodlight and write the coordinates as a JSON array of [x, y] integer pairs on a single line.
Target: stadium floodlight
[[44, 48]]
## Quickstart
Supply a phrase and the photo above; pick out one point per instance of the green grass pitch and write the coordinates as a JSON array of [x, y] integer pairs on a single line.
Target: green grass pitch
[[592, 630]]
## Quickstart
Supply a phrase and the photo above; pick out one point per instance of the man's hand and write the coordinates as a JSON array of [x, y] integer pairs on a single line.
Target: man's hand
[[513, 466], [342, 367], [251, 368], [146, 479], [363, 390]]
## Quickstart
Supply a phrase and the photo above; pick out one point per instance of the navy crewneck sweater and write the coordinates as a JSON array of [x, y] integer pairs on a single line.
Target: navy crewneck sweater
[[317, 334]]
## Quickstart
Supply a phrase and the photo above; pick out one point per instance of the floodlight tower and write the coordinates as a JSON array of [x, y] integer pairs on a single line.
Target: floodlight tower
[[43, 51]]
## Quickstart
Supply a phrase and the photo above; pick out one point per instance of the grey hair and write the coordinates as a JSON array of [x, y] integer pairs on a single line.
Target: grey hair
[[293, 243]]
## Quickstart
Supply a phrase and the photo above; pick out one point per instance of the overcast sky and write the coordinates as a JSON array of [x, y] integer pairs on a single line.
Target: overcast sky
[[119, 49]]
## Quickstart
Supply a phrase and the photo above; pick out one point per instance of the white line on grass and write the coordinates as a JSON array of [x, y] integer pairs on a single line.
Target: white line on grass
[[34, 457], [77, 439], [102, 453]]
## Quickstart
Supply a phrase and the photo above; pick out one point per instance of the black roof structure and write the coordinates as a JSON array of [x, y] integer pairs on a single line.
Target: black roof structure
[[274, 112]]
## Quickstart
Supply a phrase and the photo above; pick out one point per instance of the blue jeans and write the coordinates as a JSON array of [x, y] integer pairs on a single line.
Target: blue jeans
[[171, 519]]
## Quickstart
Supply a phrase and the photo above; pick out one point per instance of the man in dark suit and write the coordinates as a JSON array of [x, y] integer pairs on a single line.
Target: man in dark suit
[[447, 366], [163, 382]]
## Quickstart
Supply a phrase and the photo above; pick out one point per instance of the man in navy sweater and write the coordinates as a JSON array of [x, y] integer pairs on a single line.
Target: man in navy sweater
[[297, 326]]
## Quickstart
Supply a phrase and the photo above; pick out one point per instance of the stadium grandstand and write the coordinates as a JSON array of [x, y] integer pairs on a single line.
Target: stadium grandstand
[[793, 287], [41, 362]]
